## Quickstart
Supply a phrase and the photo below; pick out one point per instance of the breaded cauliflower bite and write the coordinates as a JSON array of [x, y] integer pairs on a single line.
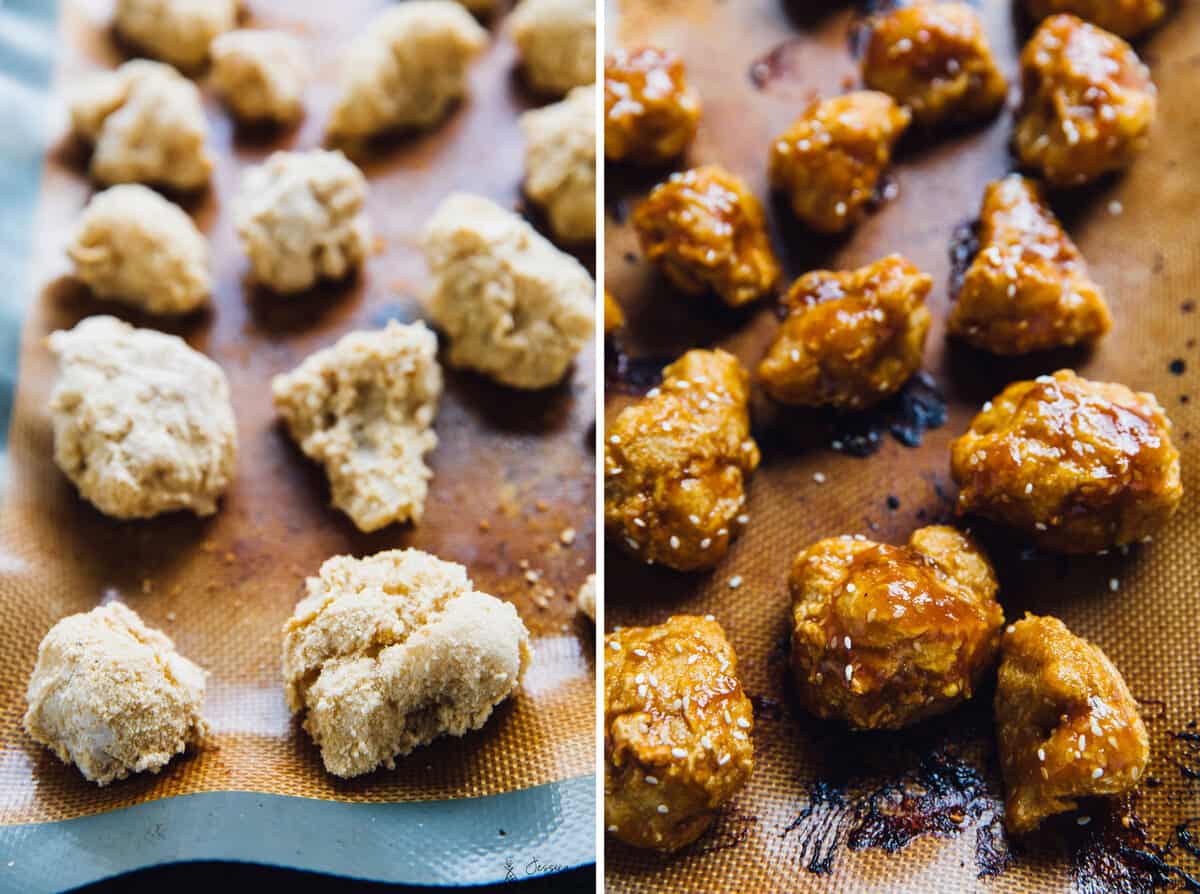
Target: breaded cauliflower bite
[[830, 161], [176, 31], [1126, 18], [1028, 287], [677, 730], [406, 70], [885, 636], [146, 124], [514, 307], [132, 245], [143, 424], [707, 231], [389, 652], [676, 464], [1067, 726], [851, 338], [935, 59], [301, 218], [1077, 466], [113, 696], [1087, 103], [260, 74], [556, 40], [365, 409], [650, 112], [560, 163]]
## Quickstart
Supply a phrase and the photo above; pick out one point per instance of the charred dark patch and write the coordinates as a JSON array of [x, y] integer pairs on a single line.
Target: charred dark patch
[[630, 375], [822, 826], [732, 829], [964, 246], [767, 708], [1186, 753], [1113, 854]]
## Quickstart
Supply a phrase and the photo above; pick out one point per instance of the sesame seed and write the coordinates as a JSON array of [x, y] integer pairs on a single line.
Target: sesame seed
[[850, 588], [706, 742], [678, 753], [1029, 488], [849, 673], [1097, 773], [728, 719], [1082, 742], [640, 653], [1114, 584], [641, 691], [1041, 754], [819, 477], [1040, 526], [651, 780], [743, 518], [639, 522], [674, 541], [662, 808], [846, 641], [706, 543], [710, 617], [1083, 820], [694, 519], [1011, 628], [614, 646], [840, 209], [612, 828], [743, 723], [1115, 208], [735, 582], [613, 439], [794, 355], [739, 735], [640, 678], [722, 760], [987, 407]]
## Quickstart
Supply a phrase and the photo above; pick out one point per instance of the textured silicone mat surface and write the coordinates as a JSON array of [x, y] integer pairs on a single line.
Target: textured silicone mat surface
[[512, 472], [915, 812]]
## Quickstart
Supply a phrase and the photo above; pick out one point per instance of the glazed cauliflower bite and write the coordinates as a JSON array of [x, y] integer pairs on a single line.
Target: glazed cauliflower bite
[[1127, 18], [560, 163], [112, 696], [935, 59], [677, 461], [514, 307], [389, 652], [830, 161], [142, 423], [650, 113], [407, 70], [1087, 103], [707, 231], [851, 338], [146, 124], [301, 218], [556, 40], [1067, 726], [885, 636], [365, 409], [132, 245], [260, 74], [677, 730], [1077, 466], [176, 31], [1028, 287]]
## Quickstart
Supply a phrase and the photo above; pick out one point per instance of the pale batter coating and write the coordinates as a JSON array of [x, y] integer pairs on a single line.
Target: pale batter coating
[[132, 245], [1126, 18], [176, 31], [557, 43], [143, 424], [260, 74], [514, 307], [365, 409], [407, 70], [146, 124], [586, 600], [301, 217], [113, 696], [560, 163], [389, 652]]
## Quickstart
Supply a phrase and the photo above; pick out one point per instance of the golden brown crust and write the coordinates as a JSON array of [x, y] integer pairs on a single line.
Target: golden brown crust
[[650, 112], [851, 338], [677, 729], [706, 230], [935, 59], [676, 464], [884, 636], [1077, 466], [1067, 726], [1028, 288], [1087, 102], [1126, 18]]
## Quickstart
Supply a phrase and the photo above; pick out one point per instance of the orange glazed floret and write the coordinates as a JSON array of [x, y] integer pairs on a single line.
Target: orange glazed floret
[[650, 112], [1127, 18]]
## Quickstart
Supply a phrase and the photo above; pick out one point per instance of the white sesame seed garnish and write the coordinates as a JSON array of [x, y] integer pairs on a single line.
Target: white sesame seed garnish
[[692, 659], [735, 582], [728, 719], [1011, 628], [794, 354], [840, 209], [612, 828], [819, 477], [1040, 526], [987, 407], [642, 690], [1114, 584], [744, 518], [1097, 773], [615, 646], [739, 735], [651, 780], [1083, 820], [706, 742], [678, 753], [694, 519], [640, 678], [710, 617], [613, 439], [743, 723], [1115, 207], [850, 588], [663, 808], [849, 673], [722, 760], [706, 543], [639, 522], [1041, 754], [640, 653], [846, 642], [674, 541], [1082, 743], [1029, 488]]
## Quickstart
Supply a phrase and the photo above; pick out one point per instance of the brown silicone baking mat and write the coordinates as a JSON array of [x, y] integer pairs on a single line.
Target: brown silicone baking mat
[[512, 471], [916, 811]]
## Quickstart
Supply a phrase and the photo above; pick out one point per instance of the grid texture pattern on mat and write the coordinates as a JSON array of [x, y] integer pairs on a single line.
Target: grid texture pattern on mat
[[1141, 237], [512, 471]]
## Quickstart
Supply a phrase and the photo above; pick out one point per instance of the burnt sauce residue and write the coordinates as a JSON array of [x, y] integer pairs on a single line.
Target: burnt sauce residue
[[1113, 854], [630, 375], [918, 407]]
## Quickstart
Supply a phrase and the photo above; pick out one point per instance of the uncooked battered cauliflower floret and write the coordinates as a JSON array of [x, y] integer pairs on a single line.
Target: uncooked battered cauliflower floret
[[112, 695], [389, 652], [514, 306], [650, 113], [1028, 287], [407, 69], [365, 408], [146, 124], [175, 31], [260, 74], [1127, 18], [1077, 466], [143, 424], [1087, 102], [132, 245], [884, 636], [301, 218], [557, 43], [676, 464], [851, 338], [560, 163]]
